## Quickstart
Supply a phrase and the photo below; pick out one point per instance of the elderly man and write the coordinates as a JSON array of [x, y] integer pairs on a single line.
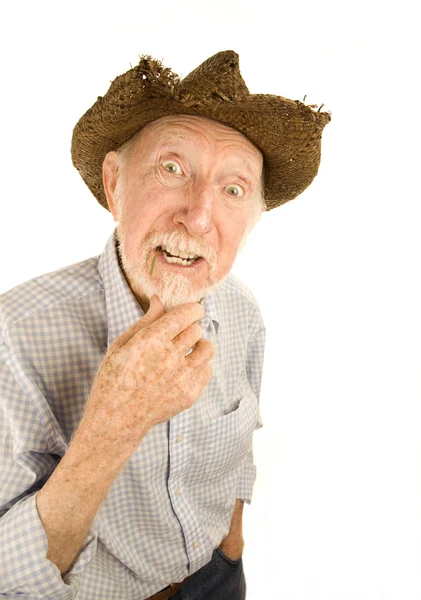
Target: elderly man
[[129, 382]]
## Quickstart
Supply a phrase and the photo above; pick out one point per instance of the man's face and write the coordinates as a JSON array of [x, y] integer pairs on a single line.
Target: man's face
[[190, 185]]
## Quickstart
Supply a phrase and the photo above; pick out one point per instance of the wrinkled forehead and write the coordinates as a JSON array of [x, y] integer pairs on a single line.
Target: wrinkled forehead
[[199, 132]]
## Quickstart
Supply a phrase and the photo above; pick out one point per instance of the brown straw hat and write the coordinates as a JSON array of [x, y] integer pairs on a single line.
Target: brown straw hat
[[287, 132]]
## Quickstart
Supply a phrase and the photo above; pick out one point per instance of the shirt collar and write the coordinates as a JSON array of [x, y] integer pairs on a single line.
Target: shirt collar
[[123, 310]]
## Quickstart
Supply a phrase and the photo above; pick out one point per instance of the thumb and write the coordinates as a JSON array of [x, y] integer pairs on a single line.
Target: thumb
[[154, 312]]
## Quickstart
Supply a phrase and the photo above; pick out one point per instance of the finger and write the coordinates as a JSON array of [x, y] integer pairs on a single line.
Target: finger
[[178, 319], [204, 375], [187, 338], [154, 312], [203, 353]]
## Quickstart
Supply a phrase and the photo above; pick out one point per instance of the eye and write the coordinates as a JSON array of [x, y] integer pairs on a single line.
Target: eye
[[234, 190], [172, 167]]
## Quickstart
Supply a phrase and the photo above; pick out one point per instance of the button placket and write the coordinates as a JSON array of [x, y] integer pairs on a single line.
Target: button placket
[[179, 459]]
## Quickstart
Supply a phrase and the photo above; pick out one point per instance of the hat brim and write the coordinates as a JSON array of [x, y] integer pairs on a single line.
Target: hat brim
[[287, 132]]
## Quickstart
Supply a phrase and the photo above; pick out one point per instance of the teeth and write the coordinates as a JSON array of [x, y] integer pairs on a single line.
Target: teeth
[[176, 252], [178, 261]]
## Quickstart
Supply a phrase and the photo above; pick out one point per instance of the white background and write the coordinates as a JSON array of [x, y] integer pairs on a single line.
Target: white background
[[336, 513]]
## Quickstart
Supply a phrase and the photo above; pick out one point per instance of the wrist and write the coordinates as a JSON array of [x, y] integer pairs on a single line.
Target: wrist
[[233, 546], [98, 452]]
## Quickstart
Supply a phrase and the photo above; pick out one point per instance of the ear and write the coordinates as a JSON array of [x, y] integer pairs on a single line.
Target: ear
[[109, 180]]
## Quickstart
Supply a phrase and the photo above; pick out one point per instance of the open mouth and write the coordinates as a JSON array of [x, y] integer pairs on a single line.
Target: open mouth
[[175, 256]]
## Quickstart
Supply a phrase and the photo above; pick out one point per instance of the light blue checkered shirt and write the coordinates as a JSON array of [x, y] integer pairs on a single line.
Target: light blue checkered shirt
[[172, 503]]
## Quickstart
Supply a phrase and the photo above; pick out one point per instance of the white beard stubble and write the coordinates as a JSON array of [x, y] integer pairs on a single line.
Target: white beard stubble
[[173, 289]]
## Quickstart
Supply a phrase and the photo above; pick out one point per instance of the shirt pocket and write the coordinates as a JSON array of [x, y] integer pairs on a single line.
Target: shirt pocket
[[230, 436]]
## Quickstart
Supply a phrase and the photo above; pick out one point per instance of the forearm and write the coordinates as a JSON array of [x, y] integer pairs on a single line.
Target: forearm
[[232, 545], [68, 502]]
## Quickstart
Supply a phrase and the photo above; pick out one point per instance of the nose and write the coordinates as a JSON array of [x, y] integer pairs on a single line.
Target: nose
[[197, 212]]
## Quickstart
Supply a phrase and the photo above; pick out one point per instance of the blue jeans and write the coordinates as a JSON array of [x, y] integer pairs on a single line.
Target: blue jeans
[[221, 579]]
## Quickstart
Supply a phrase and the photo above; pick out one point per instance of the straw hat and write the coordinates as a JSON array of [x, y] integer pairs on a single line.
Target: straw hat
[[287, 132]]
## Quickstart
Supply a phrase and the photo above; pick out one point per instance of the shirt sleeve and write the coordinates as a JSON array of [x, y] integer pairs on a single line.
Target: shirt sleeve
[[254, 370], [29, 452]]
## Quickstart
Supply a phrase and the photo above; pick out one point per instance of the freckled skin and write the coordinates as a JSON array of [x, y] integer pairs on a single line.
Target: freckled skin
[[196, 203], [146, 377]]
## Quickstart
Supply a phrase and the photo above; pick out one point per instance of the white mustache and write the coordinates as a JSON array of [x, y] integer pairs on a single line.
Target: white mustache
[[191, 246]]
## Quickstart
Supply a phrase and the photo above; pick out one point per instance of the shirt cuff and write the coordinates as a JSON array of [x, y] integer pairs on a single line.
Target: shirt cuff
[[24, 567]]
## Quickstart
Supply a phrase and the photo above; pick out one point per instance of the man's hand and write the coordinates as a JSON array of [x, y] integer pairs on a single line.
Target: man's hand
[[146, 379]]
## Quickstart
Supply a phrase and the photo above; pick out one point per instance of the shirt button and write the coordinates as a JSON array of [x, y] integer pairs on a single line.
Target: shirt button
[[196, 544], [180, 438], [177, 492]]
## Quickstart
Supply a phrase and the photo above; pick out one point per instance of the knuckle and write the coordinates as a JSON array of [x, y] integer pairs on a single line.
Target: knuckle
[[192, 309], [149, 336], [152, 344]]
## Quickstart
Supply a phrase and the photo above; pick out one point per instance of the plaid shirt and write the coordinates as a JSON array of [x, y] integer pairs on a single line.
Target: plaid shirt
[[172, 503]]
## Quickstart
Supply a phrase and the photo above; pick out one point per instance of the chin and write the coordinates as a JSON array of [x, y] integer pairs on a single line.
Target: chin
[[173, 289], [172, 292]]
